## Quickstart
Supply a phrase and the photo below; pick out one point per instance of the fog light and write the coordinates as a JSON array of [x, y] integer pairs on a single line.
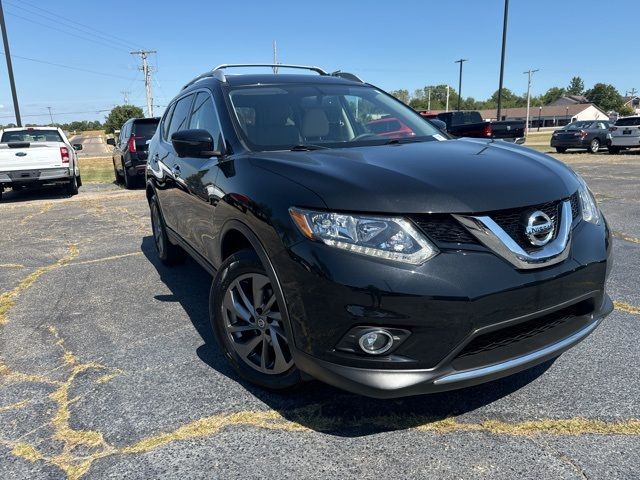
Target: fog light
[[375, 342]]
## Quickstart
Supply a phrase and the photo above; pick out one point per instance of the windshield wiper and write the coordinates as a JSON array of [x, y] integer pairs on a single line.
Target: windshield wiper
[[395, 141], [307, 147]]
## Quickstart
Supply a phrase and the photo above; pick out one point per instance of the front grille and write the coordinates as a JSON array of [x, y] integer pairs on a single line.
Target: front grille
[[524, 337], [444, 229], [575, 205], [513, 222]]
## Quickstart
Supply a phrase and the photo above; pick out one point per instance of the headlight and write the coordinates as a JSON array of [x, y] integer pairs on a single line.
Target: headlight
[[590, 212], [381, 237]]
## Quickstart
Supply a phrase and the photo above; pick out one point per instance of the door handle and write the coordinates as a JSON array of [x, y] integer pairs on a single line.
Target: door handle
[[176, 171]]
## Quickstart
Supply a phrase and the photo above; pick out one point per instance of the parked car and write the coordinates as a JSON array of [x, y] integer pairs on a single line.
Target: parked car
[[386, 267], [585, 134], [389, 127], [130, 150], [625, 133], [36, 156], [469, 123]]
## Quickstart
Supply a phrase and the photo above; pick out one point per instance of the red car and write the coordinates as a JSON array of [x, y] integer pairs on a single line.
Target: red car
[[390, 127]]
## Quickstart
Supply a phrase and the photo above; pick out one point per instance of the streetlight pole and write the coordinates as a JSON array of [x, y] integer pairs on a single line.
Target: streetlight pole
[[7, 55], [504, 44], [446, 109], [566, 116], [429, 100], [539, 116], [461, 61], [526, 126]]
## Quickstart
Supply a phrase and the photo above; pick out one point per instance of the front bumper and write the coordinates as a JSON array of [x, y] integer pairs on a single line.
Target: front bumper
[[49, 175], [447, 303]]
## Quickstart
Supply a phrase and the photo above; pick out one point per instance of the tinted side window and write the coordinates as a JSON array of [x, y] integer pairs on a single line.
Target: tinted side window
[[167, 121], [204, 117], [179, 117], [125, 132]]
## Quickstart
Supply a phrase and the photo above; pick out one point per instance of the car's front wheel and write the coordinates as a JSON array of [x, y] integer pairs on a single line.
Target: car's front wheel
[[247, 319], [594, 146]]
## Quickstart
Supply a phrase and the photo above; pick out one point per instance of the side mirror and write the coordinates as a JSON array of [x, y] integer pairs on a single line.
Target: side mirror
[[77, 146], [439, 124], [111, 141], [195, 143]]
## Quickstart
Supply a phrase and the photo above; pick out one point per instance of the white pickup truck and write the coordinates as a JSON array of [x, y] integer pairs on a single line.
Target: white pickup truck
[[35, 156]]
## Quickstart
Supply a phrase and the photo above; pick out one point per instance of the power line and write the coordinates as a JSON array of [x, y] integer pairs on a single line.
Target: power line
[[77, 25], [80, 69], [62, 30]]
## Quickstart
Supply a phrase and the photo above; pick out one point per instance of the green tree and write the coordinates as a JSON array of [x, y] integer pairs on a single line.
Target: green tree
[[551, 95], [121, 114], [402, 95], [508, 100], [605, 96], [576, 86]]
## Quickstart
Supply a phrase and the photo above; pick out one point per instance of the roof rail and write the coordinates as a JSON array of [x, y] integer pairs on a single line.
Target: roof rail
[[218, 74], [271, 65]]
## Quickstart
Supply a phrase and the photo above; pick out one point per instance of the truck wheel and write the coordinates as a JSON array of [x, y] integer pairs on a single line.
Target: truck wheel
[[614, 150], [561, 149], [79, 181], [168, 253], [72, 186], [129, 181], [594, 146]]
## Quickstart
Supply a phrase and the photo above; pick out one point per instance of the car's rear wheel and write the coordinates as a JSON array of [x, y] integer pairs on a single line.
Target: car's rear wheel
[[614, 150], [594, 146], [248, 318], [129, 181], [561, 149], [168, 253], [72, 186]]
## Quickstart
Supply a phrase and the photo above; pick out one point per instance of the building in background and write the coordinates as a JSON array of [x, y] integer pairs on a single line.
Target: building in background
[[550, 115]]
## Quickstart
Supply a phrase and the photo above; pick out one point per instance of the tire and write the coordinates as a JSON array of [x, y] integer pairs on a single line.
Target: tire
[[614, 150], [129, 181], [72, 186], [168, 253], [594, 146], [561, 149], [79, 181], [246, 333]]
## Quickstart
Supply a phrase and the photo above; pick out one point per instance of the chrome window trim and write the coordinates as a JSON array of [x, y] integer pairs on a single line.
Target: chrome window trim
[[490, 234]]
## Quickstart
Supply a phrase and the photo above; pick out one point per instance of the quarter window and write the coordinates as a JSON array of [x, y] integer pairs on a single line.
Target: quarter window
[[167, 121]]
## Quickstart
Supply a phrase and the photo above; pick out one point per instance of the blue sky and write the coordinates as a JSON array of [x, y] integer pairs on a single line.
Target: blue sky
[[402, 44]]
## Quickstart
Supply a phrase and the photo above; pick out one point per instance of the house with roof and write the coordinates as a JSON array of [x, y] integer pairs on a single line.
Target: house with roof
[[549, 115]]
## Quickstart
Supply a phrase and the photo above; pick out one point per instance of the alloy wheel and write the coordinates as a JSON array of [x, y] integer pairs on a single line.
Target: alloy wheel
[[253, 324]]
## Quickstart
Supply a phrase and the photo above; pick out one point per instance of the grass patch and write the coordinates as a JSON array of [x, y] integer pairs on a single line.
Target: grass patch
[[96, 170]]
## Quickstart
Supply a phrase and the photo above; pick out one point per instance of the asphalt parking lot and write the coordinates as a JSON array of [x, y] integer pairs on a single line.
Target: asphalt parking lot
[[108, 369]]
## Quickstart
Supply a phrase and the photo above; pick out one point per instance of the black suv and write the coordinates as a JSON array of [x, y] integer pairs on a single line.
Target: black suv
[[385, 266], [130, 152]]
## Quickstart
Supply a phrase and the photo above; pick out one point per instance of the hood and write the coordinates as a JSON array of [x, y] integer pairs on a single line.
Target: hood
[[453, 176]]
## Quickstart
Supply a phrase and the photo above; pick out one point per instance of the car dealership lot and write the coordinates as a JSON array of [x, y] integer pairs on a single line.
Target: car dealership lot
[[108, 368]]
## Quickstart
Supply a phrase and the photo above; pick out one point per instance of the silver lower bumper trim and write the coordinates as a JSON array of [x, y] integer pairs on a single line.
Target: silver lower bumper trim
[[516, 362]]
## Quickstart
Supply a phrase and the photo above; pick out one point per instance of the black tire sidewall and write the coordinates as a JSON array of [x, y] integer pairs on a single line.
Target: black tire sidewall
[[238, 264]]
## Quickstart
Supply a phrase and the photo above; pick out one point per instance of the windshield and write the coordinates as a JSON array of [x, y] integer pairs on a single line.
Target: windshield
[[31, 135], [333, 116], [578, 125]]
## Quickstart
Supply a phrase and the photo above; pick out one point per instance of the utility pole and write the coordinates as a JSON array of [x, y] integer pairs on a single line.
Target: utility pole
[[125, 96], [50, 115], [632, 92], [7, 54], [275, 57], [526, 125], [446, 109], [429, 100], [504, 44], [461, 61], [146, 71]]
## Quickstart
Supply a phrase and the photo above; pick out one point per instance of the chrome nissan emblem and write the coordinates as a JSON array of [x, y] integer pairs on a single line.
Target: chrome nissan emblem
[[539, 228]]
